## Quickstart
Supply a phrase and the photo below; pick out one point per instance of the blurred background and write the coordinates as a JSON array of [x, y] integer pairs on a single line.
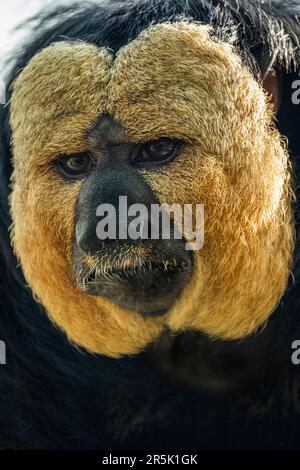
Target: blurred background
[[13, 12]]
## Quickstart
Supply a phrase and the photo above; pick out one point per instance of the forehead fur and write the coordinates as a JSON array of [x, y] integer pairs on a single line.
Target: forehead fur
[[175, 72], [173, 80], [180, 75], [60, 92]]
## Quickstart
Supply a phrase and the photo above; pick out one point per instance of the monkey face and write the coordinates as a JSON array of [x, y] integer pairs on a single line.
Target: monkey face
[[140, 272], [174, 117]]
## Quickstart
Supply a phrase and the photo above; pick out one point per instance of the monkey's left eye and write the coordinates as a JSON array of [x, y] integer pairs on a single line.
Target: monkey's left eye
[[75, 166], [158, 151]]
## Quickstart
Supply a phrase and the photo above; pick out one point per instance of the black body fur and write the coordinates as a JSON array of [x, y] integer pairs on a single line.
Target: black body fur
[[56, 396]]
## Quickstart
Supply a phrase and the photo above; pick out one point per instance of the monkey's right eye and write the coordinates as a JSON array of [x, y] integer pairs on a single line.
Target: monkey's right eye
[[75, 166]]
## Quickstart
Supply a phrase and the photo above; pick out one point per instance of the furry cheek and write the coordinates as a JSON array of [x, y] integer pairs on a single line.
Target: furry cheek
[[242, 271], [51, 111], [42, 237]]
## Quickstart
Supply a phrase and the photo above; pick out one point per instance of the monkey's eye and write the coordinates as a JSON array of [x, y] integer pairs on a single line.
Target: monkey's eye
[[158, 151], [75, 166]]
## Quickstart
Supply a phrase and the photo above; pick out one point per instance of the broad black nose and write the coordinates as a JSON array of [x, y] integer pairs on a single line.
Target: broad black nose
[[111, 231], [114, 209]]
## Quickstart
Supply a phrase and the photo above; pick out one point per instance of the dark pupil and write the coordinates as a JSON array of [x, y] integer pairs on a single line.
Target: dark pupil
[[160, 148], [77, 162]]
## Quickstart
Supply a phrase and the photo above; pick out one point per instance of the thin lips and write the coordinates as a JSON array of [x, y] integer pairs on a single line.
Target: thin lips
[[130, 270]]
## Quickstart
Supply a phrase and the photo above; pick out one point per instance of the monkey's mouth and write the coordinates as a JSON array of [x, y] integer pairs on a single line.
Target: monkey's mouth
[[149, 286], [147, 279]]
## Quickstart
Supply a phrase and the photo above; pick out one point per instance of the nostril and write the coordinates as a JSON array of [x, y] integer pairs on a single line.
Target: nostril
[[93, 235], [86, 240]]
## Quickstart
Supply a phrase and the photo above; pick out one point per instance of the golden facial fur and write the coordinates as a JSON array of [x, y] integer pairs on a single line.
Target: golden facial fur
[[174, 80]]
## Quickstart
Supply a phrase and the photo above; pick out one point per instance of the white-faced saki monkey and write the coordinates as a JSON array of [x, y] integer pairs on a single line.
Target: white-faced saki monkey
[[142, 342]]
